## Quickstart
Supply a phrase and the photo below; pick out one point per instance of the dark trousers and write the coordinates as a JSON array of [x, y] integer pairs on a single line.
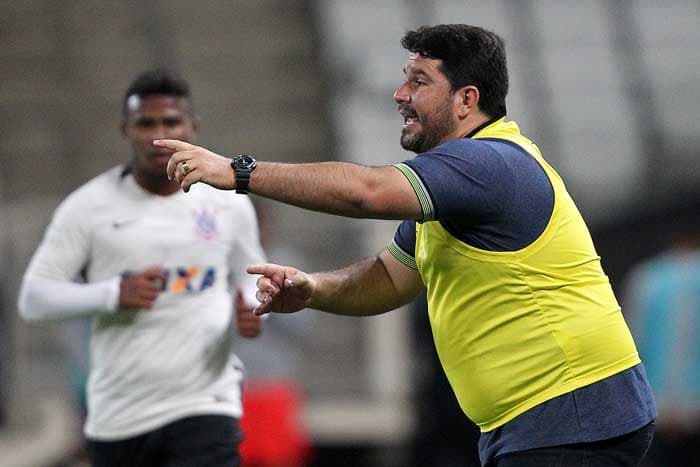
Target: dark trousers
[[206, 440], [623, 451], [674, 448]]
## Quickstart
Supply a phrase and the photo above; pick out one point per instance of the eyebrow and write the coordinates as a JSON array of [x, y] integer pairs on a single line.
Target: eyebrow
[[416, 72], [421, 74], [141, 118]]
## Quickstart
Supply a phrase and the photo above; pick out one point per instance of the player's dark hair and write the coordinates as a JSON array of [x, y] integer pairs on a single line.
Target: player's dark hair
[[470, 56], [157, 82]]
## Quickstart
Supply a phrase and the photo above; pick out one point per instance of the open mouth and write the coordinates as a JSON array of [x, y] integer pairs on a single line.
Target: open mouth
[[408, 120], [408, 117]]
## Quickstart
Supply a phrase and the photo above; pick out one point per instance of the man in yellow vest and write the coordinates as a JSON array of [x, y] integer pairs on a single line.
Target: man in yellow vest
[[525, 321]]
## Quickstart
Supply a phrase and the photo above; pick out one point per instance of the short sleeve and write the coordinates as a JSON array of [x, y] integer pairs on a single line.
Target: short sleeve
[[464, 178], [403, 245]]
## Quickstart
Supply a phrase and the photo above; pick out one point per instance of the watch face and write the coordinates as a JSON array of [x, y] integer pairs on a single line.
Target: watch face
[[244, 161]]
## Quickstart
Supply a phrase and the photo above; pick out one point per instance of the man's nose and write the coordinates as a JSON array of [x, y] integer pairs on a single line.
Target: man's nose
[[401, 96]]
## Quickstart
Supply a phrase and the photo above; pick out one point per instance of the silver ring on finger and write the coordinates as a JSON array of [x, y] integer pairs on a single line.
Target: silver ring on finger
[[185, 167]]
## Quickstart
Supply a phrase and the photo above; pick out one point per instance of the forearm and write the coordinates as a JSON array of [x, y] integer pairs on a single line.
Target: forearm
[[361, 289], [45, 300], [339, 188]]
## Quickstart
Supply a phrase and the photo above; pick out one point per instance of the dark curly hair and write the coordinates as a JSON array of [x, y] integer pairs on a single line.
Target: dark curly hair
[[157, 82], [470, 56]]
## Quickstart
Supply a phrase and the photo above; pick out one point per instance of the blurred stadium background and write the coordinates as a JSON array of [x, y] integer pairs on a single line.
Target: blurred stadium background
[[608, 89]]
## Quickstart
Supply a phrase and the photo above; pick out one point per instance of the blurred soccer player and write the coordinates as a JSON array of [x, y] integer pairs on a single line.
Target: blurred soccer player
[[164, 387], [663, 307], [524, 319]]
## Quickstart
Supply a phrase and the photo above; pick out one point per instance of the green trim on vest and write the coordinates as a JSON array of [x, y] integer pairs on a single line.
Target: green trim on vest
[[402, 256], [426, 203]]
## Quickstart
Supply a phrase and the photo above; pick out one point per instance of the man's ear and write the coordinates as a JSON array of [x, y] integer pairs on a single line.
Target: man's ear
[[122, 128], [467, 101]]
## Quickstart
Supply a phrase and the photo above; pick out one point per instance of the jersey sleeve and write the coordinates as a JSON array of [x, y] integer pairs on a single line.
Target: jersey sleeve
[[403, 245], [49, 289], [461, 179], [64, 249], [246, 250]]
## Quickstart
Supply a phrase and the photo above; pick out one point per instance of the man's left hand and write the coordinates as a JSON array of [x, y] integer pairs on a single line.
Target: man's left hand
[[249, 325]]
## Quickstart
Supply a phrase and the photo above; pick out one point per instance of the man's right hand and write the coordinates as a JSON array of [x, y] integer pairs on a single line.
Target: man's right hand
[[281, 289], [140, 289], [190, 164]]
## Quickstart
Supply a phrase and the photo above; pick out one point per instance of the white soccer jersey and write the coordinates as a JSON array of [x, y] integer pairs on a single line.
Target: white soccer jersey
[[151, 367]]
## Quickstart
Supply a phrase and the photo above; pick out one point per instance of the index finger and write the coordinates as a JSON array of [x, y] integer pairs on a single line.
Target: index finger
[[265, 269], [174, 144], [273, 271]]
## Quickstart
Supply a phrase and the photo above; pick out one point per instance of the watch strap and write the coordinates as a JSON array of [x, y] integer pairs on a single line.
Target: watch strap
[[242, 171], [242, 181]]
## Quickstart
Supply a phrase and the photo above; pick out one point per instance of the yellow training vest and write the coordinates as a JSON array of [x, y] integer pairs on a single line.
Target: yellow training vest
[[515, 329]]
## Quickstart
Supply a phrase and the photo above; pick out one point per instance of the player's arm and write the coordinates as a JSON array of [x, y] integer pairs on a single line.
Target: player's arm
[[248, 323], [47, 300], [52, 300], [368, 287], [49, 290], [340, 188]]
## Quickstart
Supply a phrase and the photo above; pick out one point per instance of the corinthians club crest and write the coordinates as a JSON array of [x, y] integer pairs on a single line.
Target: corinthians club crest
[[205, 224]]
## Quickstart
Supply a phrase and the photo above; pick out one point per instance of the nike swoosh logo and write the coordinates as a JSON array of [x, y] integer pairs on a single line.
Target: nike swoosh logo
[[120, 224]]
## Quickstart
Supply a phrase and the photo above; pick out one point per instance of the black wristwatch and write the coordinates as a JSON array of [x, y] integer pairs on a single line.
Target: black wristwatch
[[243, 165]]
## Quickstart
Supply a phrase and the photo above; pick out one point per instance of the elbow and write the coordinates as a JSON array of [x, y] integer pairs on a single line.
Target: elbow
[[372, 203], [364, 194], [382, 198], [27, 311]]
